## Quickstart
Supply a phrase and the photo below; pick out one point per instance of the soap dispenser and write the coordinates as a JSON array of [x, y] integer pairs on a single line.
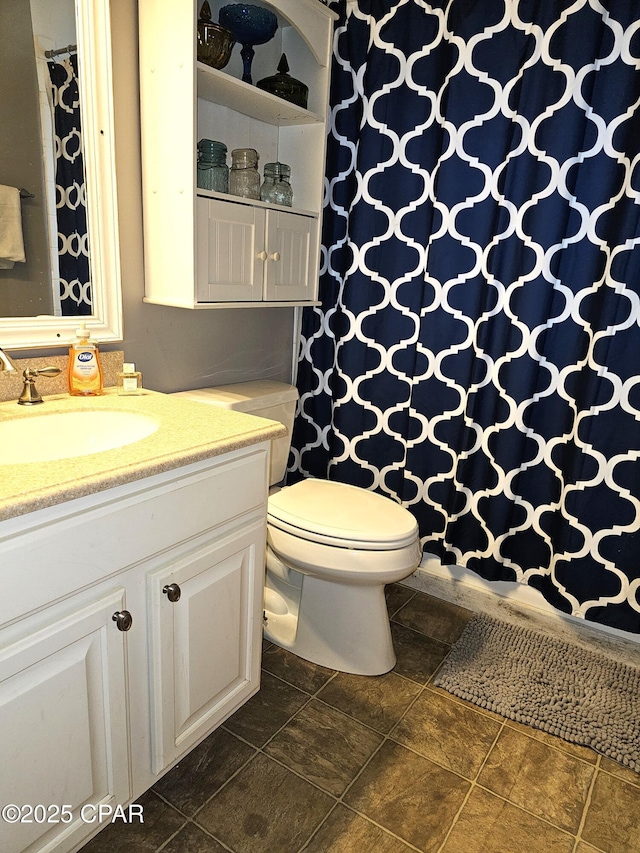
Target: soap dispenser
[[85, 370]]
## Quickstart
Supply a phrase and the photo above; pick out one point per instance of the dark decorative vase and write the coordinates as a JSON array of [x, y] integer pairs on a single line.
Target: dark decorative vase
[[285, 86]]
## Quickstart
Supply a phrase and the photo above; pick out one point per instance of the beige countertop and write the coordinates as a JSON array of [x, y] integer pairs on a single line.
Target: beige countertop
[[188, 432]]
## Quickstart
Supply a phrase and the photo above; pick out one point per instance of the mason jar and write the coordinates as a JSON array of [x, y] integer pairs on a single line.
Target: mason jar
[[244, 178], [212, 169], [276, 188]]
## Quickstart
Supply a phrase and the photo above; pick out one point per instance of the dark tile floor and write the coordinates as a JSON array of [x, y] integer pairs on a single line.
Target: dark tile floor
[[324, 762]]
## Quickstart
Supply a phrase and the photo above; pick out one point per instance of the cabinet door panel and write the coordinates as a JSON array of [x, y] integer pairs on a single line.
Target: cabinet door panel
[[63, 724], [208, 626], [292, 239], [229, 238], [205, 646]]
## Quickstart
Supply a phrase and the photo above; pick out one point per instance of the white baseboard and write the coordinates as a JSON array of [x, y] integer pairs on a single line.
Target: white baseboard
[[521, 604]]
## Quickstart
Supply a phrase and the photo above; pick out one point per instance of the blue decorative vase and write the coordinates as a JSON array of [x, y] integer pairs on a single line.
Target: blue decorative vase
[[250, 25]]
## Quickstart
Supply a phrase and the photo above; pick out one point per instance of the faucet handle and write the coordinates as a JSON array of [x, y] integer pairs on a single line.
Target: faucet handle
[[30, 395], [43, 371]]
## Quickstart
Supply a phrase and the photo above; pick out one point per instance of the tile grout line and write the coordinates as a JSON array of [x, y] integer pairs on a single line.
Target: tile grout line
[[587, 804], [404, 603], [473, 785], [477, 784], [634, 783], [420, 633], [385, 737], [318, 827], [188, 820], [368, 819], [340, 800], [260, 750], [170, 837]]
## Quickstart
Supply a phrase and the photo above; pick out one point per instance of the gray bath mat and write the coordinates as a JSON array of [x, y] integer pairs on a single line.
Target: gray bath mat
[[575, 693]]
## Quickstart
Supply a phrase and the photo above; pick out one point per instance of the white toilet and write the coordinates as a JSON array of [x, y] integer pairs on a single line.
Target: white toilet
[[331, 548]]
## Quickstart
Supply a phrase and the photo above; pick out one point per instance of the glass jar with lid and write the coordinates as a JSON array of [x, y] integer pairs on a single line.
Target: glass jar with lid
[[276, 187], [244, 178], [212, 169]]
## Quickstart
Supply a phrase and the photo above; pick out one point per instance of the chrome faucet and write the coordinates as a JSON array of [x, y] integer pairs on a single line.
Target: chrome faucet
[[6, 364]]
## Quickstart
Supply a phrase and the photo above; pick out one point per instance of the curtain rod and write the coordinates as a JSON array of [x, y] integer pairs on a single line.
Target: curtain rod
[[68, 49]]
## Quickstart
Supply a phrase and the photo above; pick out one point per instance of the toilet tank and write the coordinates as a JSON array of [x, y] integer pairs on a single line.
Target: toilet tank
[[264, 398]]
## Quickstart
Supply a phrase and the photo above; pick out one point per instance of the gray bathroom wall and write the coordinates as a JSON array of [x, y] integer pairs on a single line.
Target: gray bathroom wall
[[177, 348]]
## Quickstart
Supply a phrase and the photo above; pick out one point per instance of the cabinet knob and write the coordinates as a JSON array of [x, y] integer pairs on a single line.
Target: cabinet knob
[[123, 620], [262, 256], [275, 256], [173, 592]]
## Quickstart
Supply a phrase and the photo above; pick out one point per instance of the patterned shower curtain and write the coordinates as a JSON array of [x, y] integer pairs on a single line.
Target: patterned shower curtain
[[477, 353], [71, 209]]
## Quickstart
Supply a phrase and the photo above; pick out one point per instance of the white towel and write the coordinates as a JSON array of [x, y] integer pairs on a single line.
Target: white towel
[[11, 239]]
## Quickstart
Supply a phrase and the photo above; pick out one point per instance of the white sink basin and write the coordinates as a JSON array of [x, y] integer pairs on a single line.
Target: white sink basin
[[63, 435]]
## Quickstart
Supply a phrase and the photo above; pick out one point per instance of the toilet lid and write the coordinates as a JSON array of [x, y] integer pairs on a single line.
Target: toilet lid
[[336, 513]]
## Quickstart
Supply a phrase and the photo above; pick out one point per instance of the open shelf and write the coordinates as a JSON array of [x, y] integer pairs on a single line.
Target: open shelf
[[228, 91]]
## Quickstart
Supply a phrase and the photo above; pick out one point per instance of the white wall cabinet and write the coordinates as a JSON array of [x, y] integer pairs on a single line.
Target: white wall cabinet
[[182, 101], [253, 254], [94, 709]]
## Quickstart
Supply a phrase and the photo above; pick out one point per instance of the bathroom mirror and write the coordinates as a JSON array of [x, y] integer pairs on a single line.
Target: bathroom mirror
[[43, 328]]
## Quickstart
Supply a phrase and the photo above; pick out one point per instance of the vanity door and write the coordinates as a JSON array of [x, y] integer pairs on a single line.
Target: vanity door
[[205, 615], [63, 722]]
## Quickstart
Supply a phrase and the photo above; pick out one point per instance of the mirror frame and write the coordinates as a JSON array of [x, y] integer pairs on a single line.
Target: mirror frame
[[93, 22]]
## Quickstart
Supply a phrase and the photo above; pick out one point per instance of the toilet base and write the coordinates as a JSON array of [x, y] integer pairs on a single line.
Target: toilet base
[[346, 629]]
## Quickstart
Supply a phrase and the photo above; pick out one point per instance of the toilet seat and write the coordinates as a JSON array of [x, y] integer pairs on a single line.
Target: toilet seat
[[342, 565], [330, 513]]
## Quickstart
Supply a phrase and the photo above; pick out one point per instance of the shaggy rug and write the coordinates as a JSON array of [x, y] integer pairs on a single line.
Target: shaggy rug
[[577, 694]]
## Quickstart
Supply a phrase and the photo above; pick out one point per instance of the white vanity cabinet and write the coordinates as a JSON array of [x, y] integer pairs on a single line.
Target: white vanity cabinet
[[63, 721], [191, 258], [130, 628]]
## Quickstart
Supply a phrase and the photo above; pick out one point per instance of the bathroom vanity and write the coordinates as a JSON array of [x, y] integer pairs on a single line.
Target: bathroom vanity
[[131, 608]]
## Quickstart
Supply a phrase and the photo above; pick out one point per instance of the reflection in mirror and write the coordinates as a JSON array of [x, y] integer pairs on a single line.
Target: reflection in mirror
[[57, 148]]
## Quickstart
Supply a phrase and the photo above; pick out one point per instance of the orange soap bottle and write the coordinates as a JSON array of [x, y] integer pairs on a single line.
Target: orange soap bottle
[[85, 370]]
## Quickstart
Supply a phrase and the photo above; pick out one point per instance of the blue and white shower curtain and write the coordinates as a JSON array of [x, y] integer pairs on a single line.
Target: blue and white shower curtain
[[71, 202], [477, 353]]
